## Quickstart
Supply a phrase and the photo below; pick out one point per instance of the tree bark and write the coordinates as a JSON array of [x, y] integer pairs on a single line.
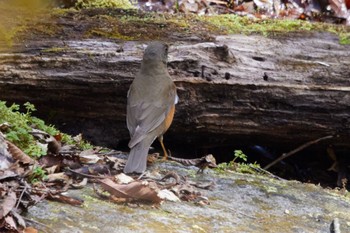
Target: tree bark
[[283, 90]]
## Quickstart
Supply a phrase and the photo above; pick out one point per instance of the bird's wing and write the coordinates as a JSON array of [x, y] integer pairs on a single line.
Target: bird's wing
[[145, 116]]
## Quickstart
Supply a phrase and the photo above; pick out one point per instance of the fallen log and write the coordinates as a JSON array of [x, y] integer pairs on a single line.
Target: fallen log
[[282, 90]]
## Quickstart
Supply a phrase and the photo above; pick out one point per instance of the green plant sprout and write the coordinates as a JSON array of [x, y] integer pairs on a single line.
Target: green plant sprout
[[239, 167], [37, 174]]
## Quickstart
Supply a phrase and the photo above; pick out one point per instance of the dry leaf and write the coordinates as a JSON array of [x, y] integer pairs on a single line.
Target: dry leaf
[[7, 174], [88, 158], [8, 204], [10, 224], [81, 184], [92, 169], [166, 194], [65, 199], [18, 218], [137, 190], [51, 160], [52, 169], [18, 154], [78, 138], [123, 179], [57, 177]]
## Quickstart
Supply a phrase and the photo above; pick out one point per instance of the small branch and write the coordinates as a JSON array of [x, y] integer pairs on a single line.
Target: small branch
[[262, 170], [21, 196], [86, 175], [302, 147]]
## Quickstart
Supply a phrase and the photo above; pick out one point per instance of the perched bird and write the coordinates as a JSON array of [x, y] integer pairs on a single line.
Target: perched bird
[[151, 106]]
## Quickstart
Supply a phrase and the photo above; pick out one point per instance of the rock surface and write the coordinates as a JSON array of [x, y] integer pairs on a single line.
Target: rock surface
[[238, 203]]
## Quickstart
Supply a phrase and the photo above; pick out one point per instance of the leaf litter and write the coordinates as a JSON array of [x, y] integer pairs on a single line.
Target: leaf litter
[[331, 11], [25, 181]]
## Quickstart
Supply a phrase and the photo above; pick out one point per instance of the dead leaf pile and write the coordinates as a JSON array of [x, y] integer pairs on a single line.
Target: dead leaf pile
[[15, 195]]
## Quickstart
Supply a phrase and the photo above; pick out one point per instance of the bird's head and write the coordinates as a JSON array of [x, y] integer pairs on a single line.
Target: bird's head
[[156, 52]]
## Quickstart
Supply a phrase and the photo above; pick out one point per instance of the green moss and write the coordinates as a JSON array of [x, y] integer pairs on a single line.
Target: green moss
[[344, 38], [6, 36], [63, 11], [148, 26], [54, 50], [240, 167], [49, 30], [129, 24], [122, 4], [112, 34], [21, 124], [231, 24]]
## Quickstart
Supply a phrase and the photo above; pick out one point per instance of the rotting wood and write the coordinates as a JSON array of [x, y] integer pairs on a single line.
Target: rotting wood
[[282, 90]]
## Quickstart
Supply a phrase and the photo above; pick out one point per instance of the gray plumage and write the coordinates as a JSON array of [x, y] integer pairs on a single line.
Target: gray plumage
[[151, 96]]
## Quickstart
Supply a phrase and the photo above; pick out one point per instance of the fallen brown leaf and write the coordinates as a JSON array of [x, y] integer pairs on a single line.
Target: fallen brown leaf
[[90, 156], [7, 174], [57, 177], [51, 160], [18, 154], [137, 190]]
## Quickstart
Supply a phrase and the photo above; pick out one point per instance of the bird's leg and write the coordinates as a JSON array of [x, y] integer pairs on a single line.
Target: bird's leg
[[160, 139]]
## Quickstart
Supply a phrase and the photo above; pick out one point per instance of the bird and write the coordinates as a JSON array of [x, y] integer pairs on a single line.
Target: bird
[[150, 108]]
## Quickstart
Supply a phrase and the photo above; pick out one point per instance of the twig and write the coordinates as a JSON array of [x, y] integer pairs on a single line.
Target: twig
[[142, 175], [112, 152], [302, 147], [86, 175], [262, 170], [169, 175], [20, 197]]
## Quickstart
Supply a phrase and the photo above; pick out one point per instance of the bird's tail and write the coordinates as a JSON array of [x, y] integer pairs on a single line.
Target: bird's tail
[[137, 160]]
